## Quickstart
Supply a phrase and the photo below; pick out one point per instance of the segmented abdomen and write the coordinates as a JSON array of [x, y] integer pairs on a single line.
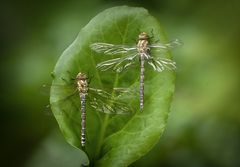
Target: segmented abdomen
[[83, 117], [141, 81]]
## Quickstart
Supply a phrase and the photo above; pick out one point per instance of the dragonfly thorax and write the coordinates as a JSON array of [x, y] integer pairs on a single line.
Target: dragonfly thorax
[[142, 45], [82, 83]]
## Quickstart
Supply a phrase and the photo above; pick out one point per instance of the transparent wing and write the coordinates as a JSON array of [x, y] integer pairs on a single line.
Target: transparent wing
[[132, 91], [167, 46], [110, 49], [71, 98], [46, 88], [105, 102], [61, 95], [161, 64], [67, 107], [61, 91], [118, 64]]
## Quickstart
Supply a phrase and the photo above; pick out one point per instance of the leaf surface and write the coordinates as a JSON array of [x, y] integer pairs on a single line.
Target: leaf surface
[[113, 140]]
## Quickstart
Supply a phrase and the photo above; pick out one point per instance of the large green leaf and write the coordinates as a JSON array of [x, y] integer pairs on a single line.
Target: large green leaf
[[116, 140]]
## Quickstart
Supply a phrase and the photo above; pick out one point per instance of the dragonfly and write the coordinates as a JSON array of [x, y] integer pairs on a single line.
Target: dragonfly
[[140, 52], [98, 99]]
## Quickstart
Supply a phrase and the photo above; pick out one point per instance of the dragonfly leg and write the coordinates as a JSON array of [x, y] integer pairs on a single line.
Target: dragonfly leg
[[71, 78], [53, 75], [90, 77], [67, 81], [152, 34]]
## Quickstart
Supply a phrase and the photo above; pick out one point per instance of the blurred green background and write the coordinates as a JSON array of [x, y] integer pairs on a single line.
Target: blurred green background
[[204, 124]]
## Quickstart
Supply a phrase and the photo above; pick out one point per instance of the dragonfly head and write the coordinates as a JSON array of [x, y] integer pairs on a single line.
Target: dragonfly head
[[81, 76], [143, 36]]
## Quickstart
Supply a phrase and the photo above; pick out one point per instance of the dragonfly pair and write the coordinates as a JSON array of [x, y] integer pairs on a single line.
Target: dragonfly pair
[[109, 103]]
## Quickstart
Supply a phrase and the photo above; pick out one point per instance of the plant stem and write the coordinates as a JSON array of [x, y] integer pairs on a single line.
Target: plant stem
[[102, 134], [104, 125]]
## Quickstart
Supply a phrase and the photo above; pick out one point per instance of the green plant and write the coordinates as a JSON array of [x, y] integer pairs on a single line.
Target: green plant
[[116, 140]]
